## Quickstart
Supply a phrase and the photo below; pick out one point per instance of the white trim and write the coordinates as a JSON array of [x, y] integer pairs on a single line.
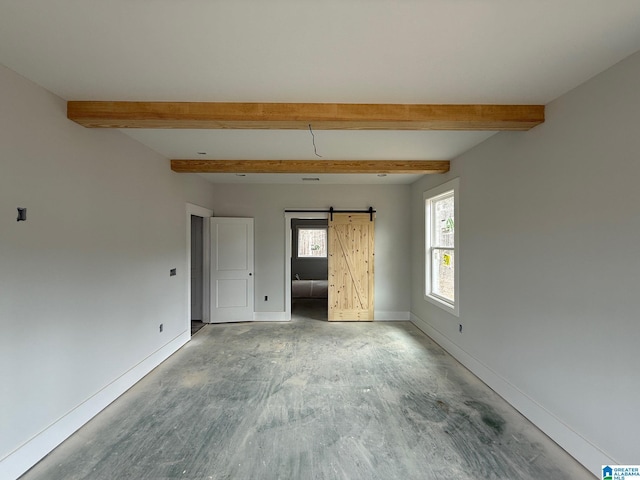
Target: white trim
[[32, 451], [270, 317], [205, 213], [197, 210], [588, 454], [433, 194], [381, 316], [288, 216]]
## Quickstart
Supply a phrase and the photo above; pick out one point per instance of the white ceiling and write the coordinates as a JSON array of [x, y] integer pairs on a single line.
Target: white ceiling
[[351, 51]]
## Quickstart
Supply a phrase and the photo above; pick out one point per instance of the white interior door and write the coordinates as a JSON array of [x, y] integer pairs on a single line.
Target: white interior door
[[231, 269]]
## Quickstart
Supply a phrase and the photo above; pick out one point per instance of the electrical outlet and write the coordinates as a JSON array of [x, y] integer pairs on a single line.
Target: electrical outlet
[[460, 328], [161, 327]]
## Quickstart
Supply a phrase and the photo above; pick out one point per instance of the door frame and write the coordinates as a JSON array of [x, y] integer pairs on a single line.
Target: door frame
[[205, 213], [288, 216]]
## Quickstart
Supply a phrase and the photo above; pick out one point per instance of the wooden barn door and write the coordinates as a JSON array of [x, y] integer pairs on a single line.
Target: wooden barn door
[[351, 251]]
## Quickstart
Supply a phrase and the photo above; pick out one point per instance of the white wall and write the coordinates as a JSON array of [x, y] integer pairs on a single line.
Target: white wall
[[84, 282], [266, 203], [550, 267]]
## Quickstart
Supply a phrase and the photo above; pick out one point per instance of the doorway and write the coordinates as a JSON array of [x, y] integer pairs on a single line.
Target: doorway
[[197, 266], [197, 273], [350, 248], [298, 216], [309, 268]]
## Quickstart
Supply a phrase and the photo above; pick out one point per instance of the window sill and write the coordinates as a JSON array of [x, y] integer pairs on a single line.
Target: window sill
[[453, 309]]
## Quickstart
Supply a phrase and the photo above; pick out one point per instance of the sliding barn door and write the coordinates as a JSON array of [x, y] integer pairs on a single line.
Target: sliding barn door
[[351, 250]]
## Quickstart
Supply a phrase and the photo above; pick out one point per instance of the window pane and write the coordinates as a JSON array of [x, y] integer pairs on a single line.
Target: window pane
[[312, 242], [442, 281], [443, 222]]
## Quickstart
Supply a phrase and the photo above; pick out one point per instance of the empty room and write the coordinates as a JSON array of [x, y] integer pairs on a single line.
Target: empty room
[[327, 240]]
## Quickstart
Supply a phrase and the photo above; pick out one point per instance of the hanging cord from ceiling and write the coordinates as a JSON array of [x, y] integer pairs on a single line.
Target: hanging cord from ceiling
[[313, 140]]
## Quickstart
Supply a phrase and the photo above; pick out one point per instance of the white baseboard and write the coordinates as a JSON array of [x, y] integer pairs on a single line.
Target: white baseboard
[[27, 455], [32, 451], [381, 316], [577, 446], [269, 317]]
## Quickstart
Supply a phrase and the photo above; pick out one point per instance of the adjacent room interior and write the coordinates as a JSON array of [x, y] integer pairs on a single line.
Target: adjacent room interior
[[137, 167], [309, 267]]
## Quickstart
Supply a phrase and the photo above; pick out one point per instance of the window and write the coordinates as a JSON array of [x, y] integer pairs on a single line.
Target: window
[[312, 243], [441, 255]]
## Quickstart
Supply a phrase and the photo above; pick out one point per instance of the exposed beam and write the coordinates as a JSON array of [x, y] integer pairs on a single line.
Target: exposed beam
[[311, 166], [322, 116]]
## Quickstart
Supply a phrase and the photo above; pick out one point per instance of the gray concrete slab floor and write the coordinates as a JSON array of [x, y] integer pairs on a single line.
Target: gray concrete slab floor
[[309, 399]]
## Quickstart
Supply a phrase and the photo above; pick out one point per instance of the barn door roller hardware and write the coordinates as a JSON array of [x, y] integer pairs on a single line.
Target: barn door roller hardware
[[332, 210]]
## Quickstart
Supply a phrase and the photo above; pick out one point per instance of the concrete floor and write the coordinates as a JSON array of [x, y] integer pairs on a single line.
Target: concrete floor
[[309, 400]]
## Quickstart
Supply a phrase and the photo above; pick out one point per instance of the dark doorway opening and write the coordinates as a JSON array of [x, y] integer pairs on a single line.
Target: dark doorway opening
[[197, 273], [309, 268]]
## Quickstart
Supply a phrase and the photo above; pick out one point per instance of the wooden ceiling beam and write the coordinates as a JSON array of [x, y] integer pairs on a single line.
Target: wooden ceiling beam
[[321, 116], [421, 167]]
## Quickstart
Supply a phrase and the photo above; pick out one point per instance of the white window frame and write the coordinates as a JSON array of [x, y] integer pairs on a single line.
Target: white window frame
[[312, 227], [429, 197]]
